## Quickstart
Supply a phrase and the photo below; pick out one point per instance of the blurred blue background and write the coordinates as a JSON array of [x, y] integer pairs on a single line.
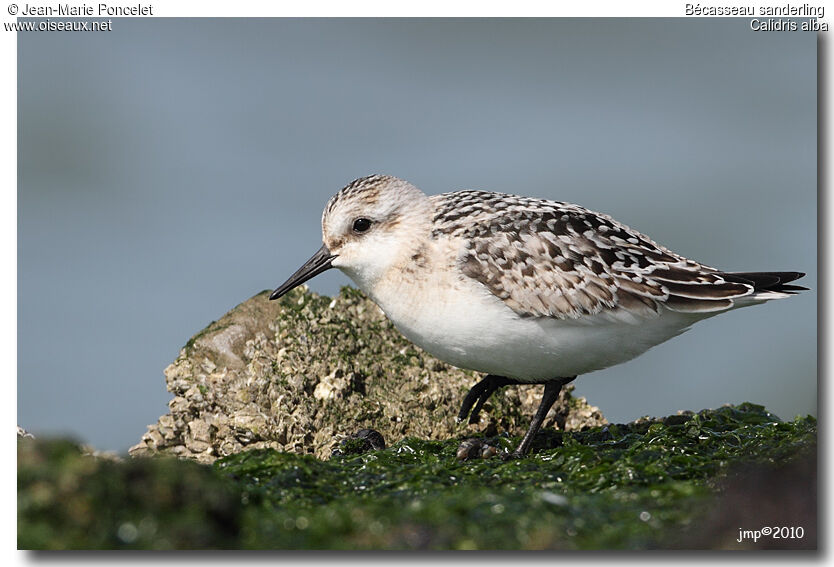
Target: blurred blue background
[[172, 168]]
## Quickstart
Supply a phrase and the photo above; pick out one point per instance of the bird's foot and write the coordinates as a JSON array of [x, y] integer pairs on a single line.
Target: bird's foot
[[512, 456]]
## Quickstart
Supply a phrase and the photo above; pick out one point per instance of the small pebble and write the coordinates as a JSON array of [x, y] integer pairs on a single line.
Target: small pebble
[[474, 449], [360, 442]]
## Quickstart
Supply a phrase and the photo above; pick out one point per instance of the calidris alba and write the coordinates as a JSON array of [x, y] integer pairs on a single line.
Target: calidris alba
[[525, 290]]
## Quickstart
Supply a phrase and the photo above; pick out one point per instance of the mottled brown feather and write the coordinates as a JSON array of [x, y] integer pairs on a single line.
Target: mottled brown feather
[[553, 259]]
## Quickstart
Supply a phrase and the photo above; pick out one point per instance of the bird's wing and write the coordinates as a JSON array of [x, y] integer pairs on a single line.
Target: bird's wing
[[551, 259]]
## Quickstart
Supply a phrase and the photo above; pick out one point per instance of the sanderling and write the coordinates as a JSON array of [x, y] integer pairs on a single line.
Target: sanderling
[[526, 290]]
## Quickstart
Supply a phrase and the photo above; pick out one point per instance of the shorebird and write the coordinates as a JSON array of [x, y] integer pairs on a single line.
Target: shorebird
[[528, 291]]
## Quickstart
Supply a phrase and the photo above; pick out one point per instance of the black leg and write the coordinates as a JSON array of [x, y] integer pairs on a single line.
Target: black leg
[[472, 395], [480, 393], [493, 386], [551, 393]]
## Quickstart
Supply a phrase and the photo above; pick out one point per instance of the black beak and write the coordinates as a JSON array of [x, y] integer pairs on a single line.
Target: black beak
[[312, 267]]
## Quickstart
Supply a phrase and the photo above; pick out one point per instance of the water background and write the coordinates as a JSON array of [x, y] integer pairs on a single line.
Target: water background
[[172, 168]]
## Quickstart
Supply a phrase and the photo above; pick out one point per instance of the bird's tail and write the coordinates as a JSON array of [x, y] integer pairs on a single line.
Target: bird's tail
[[776, 282]]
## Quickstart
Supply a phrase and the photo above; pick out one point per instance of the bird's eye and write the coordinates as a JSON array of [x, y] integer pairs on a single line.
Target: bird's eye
[[361, 224]]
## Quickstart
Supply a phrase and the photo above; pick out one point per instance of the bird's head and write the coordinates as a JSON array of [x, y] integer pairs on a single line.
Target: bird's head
[[367, 227]]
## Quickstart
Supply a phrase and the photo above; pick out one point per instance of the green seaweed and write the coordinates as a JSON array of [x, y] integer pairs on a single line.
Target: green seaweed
[[68, 500], [624, 486], [647, 484]]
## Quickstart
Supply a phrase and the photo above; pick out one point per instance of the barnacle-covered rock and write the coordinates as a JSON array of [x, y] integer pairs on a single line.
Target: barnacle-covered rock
[[303, 373]]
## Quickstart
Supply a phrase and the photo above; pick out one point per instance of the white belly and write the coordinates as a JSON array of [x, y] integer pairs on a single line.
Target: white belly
[[468, 327]]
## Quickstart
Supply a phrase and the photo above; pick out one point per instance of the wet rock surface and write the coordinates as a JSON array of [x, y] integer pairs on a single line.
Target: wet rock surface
[[304, 373], [360, 442], [693, 481]]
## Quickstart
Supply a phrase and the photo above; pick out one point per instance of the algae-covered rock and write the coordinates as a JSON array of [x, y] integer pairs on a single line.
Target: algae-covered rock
[[305, 372], [655, 483], [693, 481], [67, 499]]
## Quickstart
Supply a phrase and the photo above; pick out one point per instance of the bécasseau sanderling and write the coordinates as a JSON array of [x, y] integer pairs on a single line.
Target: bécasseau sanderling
[[528, 291]]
